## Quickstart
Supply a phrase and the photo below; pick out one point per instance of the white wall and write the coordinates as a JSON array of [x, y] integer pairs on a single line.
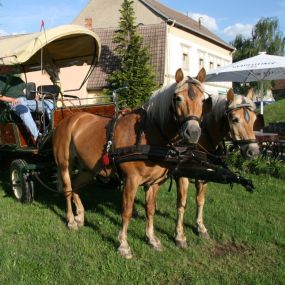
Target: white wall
[[178, 42]]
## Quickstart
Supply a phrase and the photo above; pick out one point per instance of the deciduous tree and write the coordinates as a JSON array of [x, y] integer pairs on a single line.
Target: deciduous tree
[[266, 37]]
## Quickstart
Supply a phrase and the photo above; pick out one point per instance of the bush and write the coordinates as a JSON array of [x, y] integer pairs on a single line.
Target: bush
[[260, 165]]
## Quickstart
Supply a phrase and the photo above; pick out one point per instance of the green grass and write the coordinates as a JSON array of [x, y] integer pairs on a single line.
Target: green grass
[[247, 243], [274, 112]]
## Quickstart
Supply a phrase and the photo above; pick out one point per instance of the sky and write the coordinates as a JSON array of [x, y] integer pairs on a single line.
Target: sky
[[223, 17]]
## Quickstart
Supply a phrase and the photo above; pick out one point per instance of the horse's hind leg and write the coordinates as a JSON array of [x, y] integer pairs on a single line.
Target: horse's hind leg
[[200, 201], [182, 185], [66, 183], [150, 197], [79, 181], [129, 193], [79, 218]]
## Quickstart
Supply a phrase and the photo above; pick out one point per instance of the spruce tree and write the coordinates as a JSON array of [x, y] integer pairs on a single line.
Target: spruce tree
[[134, 71]]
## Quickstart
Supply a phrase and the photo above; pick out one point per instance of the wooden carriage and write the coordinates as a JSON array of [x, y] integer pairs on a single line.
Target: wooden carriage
[[51, 50]]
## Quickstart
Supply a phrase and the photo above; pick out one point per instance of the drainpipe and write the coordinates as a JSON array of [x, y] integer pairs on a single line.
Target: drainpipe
[[171, 23]]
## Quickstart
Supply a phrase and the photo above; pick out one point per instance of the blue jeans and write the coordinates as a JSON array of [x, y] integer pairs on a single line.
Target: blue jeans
[[23, 110]]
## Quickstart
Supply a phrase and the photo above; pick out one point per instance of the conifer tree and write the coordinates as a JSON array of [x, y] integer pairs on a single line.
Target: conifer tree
[[134, 71]]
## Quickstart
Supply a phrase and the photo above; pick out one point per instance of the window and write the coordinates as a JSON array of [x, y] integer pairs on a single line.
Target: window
[[185, 57], [185, 61], [201, 56], [211, 65], [201, 62]]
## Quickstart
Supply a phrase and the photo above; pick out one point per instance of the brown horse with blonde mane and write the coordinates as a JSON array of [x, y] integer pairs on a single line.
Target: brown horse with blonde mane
[[83, 141], [232, 116]]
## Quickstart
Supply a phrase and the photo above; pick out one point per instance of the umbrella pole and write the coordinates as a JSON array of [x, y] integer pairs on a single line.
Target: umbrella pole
[[261, 102]]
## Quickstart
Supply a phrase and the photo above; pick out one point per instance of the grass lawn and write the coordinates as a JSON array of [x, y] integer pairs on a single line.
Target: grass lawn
[[247, 243], [274, 112]]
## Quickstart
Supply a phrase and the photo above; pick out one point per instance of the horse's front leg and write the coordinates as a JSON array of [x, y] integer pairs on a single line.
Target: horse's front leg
[[150, 207], [200, 201], [129, 193], [182, 185]]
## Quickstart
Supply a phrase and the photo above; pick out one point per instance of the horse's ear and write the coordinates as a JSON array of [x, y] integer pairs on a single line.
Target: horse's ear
[[179, 75], [201, 75], [207, 106], [230, 95], [249, 94]]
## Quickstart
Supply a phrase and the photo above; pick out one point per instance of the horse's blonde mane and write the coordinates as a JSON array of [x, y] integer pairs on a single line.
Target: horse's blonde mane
[[158, 106], [219, 105]]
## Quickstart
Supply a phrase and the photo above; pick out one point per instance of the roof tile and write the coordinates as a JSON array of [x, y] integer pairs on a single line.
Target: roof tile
[[154, 36]]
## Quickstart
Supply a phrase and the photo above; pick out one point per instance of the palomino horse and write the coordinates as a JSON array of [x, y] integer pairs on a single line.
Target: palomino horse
[[234, 115], [83, 140]]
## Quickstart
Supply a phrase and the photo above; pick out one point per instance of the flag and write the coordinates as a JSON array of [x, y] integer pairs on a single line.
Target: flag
[[42, 25]]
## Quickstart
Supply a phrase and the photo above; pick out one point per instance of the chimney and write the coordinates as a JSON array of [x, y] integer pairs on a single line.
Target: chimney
[[88, 23]]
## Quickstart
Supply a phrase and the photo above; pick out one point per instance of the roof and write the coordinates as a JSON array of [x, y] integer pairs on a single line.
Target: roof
[[64, 46], [184, 22], [154, 37]]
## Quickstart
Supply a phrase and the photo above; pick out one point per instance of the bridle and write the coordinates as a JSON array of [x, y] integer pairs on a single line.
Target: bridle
[[191, 94], [246, 107]]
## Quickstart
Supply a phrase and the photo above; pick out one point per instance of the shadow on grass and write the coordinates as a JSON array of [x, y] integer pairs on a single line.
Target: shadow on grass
[[99, 198], [96, 197]]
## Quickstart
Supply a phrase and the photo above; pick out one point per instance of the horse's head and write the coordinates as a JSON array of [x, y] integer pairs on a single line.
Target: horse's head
[[187, 104], [241, 117]]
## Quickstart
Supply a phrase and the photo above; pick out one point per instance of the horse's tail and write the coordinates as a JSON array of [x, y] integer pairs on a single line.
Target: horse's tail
[[61, 142]]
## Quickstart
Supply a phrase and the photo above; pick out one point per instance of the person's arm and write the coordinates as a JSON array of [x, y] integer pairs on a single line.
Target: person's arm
[[7, 99]]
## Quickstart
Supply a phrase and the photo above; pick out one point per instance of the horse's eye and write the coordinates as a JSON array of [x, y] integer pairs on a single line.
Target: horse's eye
[[177, 99], [235, 120]]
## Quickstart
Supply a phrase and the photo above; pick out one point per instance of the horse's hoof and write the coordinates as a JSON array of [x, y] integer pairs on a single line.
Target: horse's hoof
[[80, 223], [126, 252], [204, 235], [181, 243], [157, 247], [73, 226]]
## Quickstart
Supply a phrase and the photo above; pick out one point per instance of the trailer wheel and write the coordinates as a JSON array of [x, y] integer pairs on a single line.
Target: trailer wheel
[[21, 184]]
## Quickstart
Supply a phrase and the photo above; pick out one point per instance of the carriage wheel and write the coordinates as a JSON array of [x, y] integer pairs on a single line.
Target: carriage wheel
[[21, 184]]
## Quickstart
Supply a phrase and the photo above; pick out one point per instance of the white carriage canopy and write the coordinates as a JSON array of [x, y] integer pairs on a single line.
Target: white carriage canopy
[[62, 46]]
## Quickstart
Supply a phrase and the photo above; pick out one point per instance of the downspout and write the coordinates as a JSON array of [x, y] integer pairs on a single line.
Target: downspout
[[170, 24]]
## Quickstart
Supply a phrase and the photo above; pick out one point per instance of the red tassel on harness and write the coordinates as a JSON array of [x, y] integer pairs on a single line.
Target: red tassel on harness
[[106, 160]]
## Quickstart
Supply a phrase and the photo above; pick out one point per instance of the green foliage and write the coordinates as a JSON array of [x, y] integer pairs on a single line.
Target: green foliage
[[265, 165], [274, 112], [134, 71], [267, 37]]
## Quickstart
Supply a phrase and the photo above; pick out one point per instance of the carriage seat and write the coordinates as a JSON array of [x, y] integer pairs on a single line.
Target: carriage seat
[[31, 90], [49, 91]]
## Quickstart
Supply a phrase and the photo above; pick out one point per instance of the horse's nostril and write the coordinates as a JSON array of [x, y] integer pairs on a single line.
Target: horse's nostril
[[249, 153], [252, 152], [192, 133]]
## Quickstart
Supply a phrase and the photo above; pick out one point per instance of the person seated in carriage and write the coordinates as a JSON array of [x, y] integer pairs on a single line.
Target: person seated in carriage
[[12, 93]]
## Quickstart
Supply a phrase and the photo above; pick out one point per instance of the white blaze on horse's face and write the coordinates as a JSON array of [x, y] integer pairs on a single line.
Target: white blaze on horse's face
[[188, 105]]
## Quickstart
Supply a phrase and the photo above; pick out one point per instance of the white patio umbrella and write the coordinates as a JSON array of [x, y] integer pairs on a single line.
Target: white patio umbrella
[[257, 68]]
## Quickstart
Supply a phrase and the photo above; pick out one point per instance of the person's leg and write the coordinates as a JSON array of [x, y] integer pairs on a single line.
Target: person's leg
[[38, 106], [23, 111], [49, 106]]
